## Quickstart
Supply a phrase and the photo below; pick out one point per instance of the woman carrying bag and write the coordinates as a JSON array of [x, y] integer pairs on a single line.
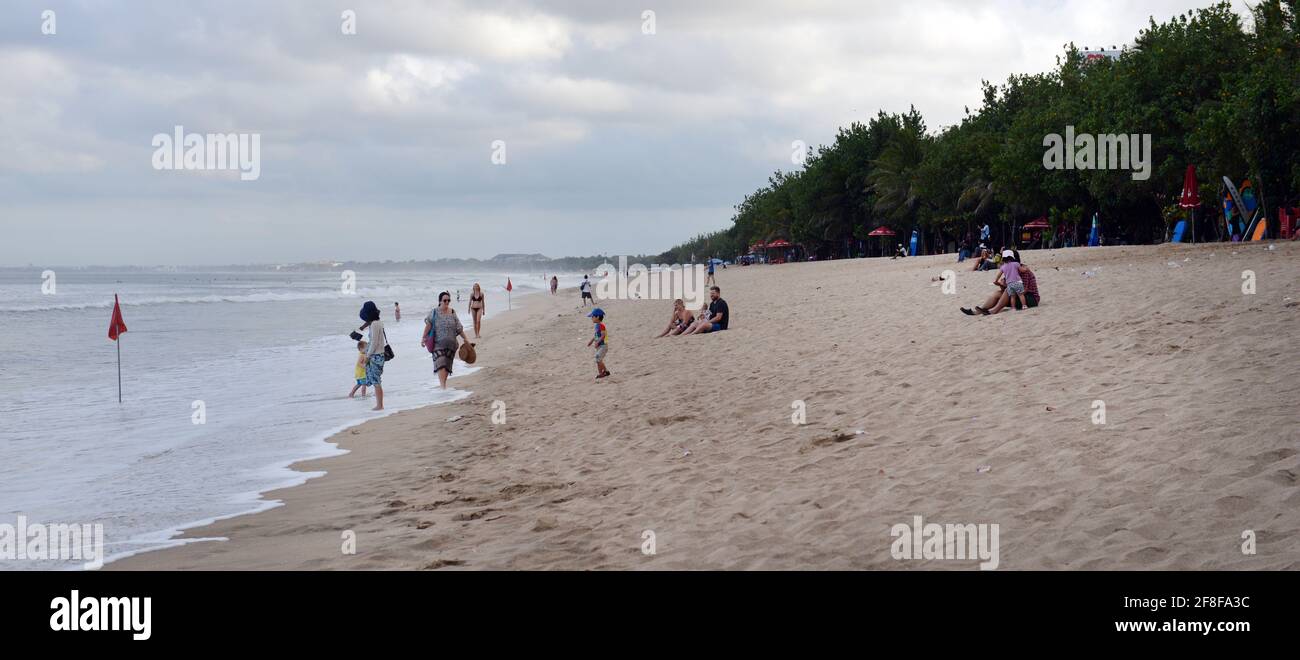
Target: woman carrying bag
[[377, 352], [440, 331]]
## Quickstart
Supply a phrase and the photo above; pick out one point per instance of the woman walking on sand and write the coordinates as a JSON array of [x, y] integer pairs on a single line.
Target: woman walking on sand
[[477, 307], [446, 327], [555, 284]]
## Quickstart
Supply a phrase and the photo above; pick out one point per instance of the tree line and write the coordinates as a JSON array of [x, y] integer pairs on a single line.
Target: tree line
[[1212, 88]]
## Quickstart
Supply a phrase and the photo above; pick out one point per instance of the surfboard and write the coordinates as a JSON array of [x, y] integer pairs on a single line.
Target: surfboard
[[1178, 231], [1257, 230], [1248, 197], [1247, 221]]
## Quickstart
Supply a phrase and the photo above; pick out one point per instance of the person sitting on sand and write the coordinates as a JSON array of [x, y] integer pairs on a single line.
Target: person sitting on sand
[[998, 301], [985, 261], [718, 315], [680, 321]]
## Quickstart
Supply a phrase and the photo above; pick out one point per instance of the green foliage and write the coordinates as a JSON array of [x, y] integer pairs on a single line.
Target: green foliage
[[1212, 90]]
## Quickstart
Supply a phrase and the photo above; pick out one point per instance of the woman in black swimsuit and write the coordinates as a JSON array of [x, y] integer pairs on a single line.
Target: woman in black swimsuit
[[477, 308]]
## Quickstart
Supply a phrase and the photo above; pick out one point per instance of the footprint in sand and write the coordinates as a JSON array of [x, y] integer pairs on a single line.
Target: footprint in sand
[[1233, 504]]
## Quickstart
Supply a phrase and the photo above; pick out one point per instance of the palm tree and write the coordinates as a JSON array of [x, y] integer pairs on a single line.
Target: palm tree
[[894, 178]]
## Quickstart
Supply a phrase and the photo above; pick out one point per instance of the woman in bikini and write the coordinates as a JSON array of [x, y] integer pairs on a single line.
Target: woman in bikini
[[477, 307], [680, 321]]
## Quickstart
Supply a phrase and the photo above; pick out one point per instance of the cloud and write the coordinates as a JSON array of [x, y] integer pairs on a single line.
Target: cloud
[[615, 138]]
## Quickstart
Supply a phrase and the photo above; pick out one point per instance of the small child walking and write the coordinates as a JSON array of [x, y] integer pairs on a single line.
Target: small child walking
[[1011, 276], [601, 341], [359, 372]]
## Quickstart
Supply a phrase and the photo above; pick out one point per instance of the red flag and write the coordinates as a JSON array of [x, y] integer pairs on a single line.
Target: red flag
[[509, 286], [117, 326]]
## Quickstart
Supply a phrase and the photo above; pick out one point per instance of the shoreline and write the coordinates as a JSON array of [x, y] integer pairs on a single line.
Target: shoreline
[[953, 418], [330, 444]]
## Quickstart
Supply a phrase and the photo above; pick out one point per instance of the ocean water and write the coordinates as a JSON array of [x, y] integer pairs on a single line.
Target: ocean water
[[267, 354]]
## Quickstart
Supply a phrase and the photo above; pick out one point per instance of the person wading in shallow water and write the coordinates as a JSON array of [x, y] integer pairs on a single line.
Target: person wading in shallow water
[[374, 350]]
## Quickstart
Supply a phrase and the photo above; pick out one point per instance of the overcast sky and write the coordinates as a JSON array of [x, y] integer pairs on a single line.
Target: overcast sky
[[378, 145]]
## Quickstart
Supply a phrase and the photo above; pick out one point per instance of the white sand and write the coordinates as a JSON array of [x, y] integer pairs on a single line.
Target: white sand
[[1200, 384]]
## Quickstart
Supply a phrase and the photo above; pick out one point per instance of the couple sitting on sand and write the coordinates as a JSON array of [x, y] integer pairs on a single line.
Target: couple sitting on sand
[[713, 317], [1017, 285]]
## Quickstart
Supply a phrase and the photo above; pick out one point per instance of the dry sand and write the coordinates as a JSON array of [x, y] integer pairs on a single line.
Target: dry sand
[[692, 437]]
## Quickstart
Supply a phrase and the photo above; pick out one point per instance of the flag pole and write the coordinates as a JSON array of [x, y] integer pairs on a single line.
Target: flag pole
[[118, 341]]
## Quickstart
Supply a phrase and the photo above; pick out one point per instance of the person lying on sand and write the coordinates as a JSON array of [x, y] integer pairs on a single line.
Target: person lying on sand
[[998, 301], [680, 321]]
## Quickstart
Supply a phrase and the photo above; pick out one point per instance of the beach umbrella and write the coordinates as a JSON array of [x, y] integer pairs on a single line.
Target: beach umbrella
[[882, 231], [1191, 197], [779, 244], [1037, 224]]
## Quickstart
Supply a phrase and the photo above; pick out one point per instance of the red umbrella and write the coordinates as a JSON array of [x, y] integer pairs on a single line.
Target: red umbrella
[[1040, 223], [779, 243], [882, 231], [1191, 196]]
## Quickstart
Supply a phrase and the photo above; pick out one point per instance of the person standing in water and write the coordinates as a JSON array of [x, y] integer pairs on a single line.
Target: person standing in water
[[477, 307], [374, 350], [397, 312]]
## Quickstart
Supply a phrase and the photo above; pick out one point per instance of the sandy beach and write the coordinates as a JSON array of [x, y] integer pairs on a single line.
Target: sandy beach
[[912, 409]]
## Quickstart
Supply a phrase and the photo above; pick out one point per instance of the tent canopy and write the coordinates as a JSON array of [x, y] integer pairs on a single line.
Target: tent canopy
[[779, 243], [1038, 223], [882, 231]]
